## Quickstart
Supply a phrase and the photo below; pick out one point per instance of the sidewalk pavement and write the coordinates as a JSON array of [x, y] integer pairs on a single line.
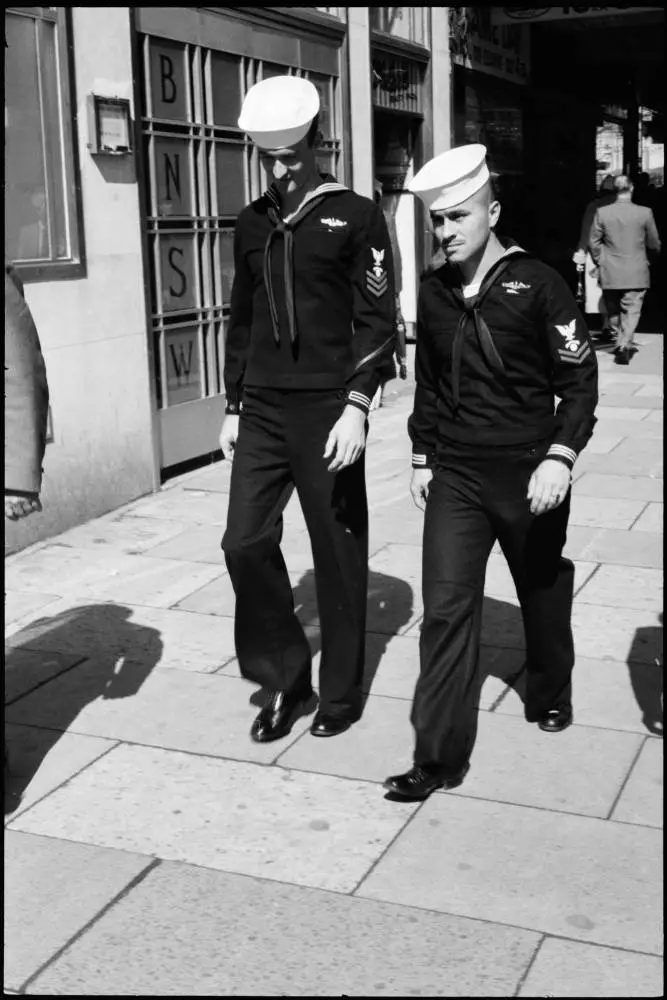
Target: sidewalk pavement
[[153, 850]]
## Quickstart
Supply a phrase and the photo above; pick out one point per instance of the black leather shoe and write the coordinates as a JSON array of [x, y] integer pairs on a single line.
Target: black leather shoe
[[278, 715], [420, 781], [556, 719], [622, 356], [330, 725]]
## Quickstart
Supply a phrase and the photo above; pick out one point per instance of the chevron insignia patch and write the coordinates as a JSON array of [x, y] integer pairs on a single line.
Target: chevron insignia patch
[[575, 357], [376, 279], [376, 285]]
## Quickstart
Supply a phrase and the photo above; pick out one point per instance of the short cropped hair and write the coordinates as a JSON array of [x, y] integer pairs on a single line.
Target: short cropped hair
[[623, 183], [312, 133]]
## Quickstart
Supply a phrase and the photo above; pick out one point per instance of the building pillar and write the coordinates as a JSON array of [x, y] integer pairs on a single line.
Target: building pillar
[[441, 78], [361, 102]]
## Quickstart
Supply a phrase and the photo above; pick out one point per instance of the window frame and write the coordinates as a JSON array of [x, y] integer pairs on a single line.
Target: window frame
[[75, 265]]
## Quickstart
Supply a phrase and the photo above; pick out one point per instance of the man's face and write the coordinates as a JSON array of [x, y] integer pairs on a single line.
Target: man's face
[[463, 231], [289, 168]]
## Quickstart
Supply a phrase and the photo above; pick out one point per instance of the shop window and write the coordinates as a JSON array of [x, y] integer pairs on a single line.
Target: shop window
[[43, 233], [409, 23]]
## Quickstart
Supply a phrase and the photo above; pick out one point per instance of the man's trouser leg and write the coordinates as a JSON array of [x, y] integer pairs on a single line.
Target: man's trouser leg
[[271, 646], [612, 301], [631, 309], [544, 581], [336, 514], [458, 538]]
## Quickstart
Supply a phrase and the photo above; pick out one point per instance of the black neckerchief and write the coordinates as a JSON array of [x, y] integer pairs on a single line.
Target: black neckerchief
[[286, 230], [471, 311]]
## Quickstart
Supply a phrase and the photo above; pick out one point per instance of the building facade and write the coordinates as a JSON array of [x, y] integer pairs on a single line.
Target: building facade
[[126, 171]]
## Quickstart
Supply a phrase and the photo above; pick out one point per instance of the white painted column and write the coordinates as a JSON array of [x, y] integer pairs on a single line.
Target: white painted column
[[441, 69], [361, 106]]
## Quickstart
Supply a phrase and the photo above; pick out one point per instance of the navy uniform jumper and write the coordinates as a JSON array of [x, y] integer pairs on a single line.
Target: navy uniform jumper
[[311, 331], [504, 380]]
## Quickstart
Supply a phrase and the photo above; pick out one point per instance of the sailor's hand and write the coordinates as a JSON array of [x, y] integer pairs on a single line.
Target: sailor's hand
[[419, 485], [548, 486], [228, 435], [347, 439]]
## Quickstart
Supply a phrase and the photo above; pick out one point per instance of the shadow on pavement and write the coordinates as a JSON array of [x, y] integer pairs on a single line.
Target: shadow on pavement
[[645, 666], [116, 657]]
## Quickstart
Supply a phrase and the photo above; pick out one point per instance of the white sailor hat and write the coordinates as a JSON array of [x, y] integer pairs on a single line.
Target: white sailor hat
[[451, 178], [279, 111]]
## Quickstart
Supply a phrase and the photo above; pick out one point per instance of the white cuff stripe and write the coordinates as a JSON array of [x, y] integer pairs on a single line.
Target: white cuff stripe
[[358, 397], [563, 451], [419, 459]]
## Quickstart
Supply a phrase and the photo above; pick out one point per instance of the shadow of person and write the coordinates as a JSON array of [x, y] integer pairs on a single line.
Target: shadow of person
[[645, 667], [55, 667]]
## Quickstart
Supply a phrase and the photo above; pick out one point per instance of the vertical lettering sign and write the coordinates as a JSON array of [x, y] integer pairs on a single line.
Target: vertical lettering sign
[[183, 366], [173, 177], [168, 90], [177, 259]]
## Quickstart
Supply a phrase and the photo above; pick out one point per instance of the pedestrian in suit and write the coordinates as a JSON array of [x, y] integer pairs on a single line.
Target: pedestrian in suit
[[621, 236], [26, 404], [499, 337], [310, 333], [583, 259]]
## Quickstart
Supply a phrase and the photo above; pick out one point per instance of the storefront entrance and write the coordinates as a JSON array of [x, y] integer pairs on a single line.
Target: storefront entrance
[[199, 173]]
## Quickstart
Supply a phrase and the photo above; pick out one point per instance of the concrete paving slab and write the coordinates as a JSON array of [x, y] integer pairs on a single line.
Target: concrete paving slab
[[649, 429], [281, 940], [215, 598], [122, 534], [52, 890], [152, 637], [312, 830], [191, 506], [642, 800], [636, 457], [607, 694], [106, 575], [213, 480], [41, 760], [593, 512], [572, 969], [651, 389], [512, 761], [611, 386], [604, 441], [19, 604], [616, 547], [573, 876], [643, 403], [616, 633], [624, 587], [652, 519], [26, 669], [172, 709], [517, 763], [499, 582], [633, 413], [608, 487], [198, 544]]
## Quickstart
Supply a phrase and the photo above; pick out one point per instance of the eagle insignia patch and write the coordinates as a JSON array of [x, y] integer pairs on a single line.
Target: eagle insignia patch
[[573, 351]]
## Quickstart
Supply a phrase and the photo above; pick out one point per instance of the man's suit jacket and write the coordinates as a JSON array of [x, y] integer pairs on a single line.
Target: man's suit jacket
[[620, 236]]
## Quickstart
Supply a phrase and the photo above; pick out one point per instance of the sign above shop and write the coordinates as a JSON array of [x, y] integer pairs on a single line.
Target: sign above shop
[[477, 43], [396, 83], [514, 15]]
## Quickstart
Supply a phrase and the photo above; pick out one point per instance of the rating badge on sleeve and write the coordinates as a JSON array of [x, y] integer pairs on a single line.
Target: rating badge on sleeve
[[376, 277], [573, 351]]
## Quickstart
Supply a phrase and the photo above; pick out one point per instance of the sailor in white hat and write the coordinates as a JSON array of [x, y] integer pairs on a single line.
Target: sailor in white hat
[[309, 339], [499, 341]]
